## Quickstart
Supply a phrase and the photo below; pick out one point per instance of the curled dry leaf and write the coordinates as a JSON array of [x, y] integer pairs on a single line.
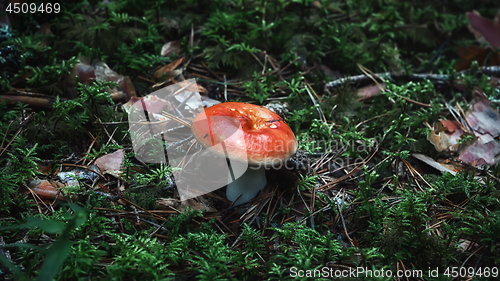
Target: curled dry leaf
[[198, 204], [111, 162], [371, 90], [169, 70], [445, 135], [170, 48], [44, 189], [482, 117], [202, 89], [100, 71], [485, 124], [479, 154], [487, 33], [483, 56], [485, 30]]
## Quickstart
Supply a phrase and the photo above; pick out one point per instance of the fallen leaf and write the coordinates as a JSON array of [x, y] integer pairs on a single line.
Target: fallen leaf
[[482, 117], [45, 169], [485, 124], [171, 47], [84, 72], [480, 153], [452, 165], [110, 162], [127, 86], [168, 70], [100, 71], [465, 245], [197, 204], [202, 89], [485, 30], [44, 189], [483, 56], [450, 125], [433, 163], [371, 90], [446, 135]]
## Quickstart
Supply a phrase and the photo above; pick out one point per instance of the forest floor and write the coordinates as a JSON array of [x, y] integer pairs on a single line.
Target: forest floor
[[394, 105]]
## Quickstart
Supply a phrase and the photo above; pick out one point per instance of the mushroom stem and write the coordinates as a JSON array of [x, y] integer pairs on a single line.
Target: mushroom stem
[[248, 185]]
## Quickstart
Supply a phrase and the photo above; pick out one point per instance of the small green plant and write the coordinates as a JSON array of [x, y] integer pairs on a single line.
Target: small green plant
[[139, 258], [260, 88], [17, 168], [52, 72], [306, 182], [465, 138], [304, 248], [298, 117], [103, 150], [473, 80], [157, 176], [78, 112], [56, 254], [405, 237]]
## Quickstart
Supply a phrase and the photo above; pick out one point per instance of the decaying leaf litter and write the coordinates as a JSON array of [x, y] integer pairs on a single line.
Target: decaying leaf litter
[[325, 188]]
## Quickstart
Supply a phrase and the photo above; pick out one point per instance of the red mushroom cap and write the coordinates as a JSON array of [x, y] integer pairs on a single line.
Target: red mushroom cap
[[249, 132]]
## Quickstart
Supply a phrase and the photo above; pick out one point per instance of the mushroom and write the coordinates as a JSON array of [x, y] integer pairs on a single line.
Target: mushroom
[[248, 134]]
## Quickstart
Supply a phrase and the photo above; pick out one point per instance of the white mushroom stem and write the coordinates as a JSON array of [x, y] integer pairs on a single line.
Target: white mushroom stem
[[248, 185]]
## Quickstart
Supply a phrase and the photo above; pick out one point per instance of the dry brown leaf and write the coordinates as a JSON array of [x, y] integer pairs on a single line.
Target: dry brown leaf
[[485, 124], [111, 162], [445, 138], [484, 56], [482, 117], [465, 245], [202, 89], [371, 90], [100, 71], [168, 69], [44, 189], [485, 30], [197, 204], [479, 154], [171, 47], [45, 169]]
